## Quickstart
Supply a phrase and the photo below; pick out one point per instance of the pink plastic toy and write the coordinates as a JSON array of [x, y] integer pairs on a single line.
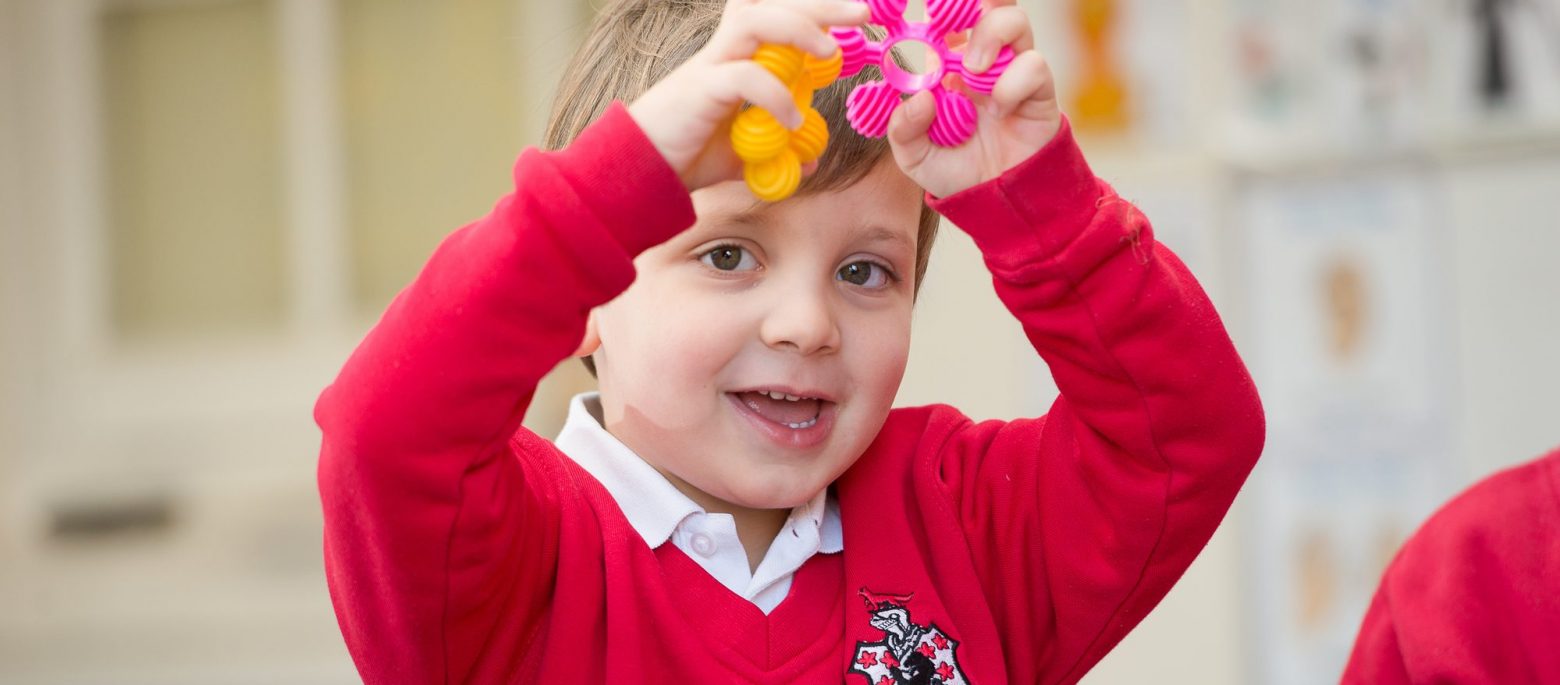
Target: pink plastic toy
[[870, 104]]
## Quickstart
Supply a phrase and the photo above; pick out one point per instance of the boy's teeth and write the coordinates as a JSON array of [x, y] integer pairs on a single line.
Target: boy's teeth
[[786, 410]]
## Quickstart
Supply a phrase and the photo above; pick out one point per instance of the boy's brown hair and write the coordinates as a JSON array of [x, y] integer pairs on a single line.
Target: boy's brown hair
[[635, 43]]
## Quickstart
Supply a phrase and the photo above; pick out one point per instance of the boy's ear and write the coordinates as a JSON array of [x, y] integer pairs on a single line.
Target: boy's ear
[[592, 339]]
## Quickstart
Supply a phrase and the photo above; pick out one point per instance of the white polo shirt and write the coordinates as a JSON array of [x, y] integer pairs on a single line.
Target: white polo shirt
[[659, 512]]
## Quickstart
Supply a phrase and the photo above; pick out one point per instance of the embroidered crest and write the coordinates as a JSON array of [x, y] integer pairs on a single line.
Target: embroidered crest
[[909, 654]]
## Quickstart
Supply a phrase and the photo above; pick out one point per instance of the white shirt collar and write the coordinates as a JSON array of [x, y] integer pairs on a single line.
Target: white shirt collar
[[653, 506]]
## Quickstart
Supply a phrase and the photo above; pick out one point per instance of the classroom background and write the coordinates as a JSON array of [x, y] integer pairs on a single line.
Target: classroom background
[[204, 204]]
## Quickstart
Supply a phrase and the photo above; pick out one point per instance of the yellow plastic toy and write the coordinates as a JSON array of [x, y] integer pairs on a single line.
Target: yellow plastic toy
[[773, 155]]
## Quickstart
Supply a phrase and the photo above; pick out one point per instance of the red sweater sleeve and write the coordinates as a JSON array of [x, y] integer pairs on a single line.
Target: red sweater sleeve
[[1472, 596], [1377, 657], [439, 541], [1080, 521]]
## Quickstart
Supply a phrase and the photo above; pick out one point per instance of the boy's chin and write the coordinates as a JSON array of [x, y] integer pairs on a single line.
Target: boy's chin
[[769, 502], [768, 495]]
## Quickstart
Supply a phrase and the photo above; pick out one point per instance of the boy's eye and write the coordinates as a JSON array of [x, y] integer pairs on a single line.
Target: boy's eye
[[728, 258], [864, 273]]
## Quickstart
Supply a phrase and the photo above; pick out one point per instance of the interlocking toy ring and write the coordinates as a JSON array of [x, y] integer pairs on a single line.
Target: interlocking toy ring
[[870, 104], [772, 154]]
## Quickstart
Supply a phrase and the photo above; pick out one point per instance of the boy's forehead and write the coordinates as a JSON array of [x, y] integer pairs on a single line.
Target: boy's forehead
[[835, 214], [875, 208]]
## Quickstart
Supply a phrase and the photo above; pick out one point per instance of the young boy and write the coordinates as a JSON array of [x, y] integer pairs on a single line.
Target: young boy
[[739, 503]]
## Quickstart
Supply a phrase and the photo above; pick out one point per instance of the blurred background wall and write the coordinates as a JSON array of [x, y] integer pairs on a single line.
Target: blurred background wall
[[205, 203]]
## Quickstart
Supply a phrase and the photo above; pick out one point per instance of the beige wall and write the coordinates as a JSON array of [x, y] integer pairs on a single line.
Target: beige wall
[[164, 343], [434, 112], [9, 218], [193, 118]]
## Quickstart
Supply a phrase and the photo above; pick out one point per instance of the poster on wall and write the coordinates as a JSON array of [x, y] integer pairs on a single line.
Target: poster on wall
[[1159, 41], [1497, 62], [1345, 74], [1348, 328], [1335, 73], [1125, 67]]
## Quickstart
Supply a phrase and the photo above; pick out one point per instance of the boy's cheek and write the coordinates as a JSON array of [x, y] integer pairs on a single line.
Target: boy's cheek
[[884, 356]]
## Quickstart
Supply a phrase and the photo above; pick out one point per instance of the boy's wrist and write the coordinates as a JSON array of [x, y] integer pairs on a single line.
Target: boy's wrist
[[1042, 202], [626, 181]]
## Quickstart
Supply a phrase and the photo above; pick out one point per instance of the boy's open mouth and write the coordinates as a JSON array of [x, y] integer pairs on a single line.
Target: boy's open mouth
[[801, 412]]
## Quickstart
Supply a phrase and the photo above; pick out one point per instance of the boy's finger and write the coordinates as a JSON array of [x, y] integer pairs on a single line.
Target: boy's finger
[[908, 126], [783, 23], [829, 12], [955, 83], [958, 40], [1027, 78], [746, 80], [744, 31], [1001, 26]]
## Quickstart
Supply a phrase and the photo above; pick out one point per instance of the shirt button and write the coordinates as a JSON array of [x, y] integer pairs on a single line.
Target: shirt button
[[703, 544]]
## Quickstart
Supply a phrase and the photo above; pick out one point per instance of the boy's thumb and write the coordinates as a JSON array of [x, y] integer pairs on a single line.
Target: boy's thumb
[[911, 120]]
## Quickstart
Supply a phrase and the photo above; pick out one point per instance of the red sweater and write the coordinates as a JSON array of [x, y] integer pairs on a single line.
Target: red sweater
[[460, 547], [1474, 596]]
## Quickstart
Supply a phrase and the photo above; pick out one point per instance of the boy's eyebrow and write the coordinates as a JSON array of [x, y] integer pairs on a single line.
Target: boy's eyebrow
[[878, 234], [753, 215]]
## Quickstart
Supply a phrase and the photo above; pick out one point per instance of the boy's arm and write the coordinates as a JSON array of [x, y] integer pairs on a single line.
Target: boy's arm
[[1080, 521], [440, 544], [1377, 658]]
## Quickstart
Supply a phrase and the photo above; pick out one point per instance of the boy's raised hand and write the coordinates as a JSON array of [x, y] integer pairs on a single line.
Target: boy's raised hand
[[685, 114], [1019, 117]]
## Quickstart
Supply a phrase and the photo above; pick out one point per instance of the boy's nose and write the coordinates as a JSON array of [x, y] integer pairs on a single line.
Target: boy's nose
[[802, 321]]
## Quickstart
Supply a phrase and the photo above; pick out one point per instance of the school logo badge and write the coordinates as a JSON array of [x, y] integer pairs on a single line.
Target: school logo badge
[[908, 654]]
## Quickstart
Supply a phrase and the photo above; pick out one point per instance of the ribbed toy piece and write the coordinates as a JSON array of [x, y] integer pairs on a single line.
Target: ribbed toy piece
[[870, 104], [773, 155]]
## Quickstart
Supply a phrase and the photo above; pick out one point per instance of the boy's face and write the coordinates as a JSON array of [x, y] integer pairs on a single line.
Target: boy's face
[[810, 296]]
